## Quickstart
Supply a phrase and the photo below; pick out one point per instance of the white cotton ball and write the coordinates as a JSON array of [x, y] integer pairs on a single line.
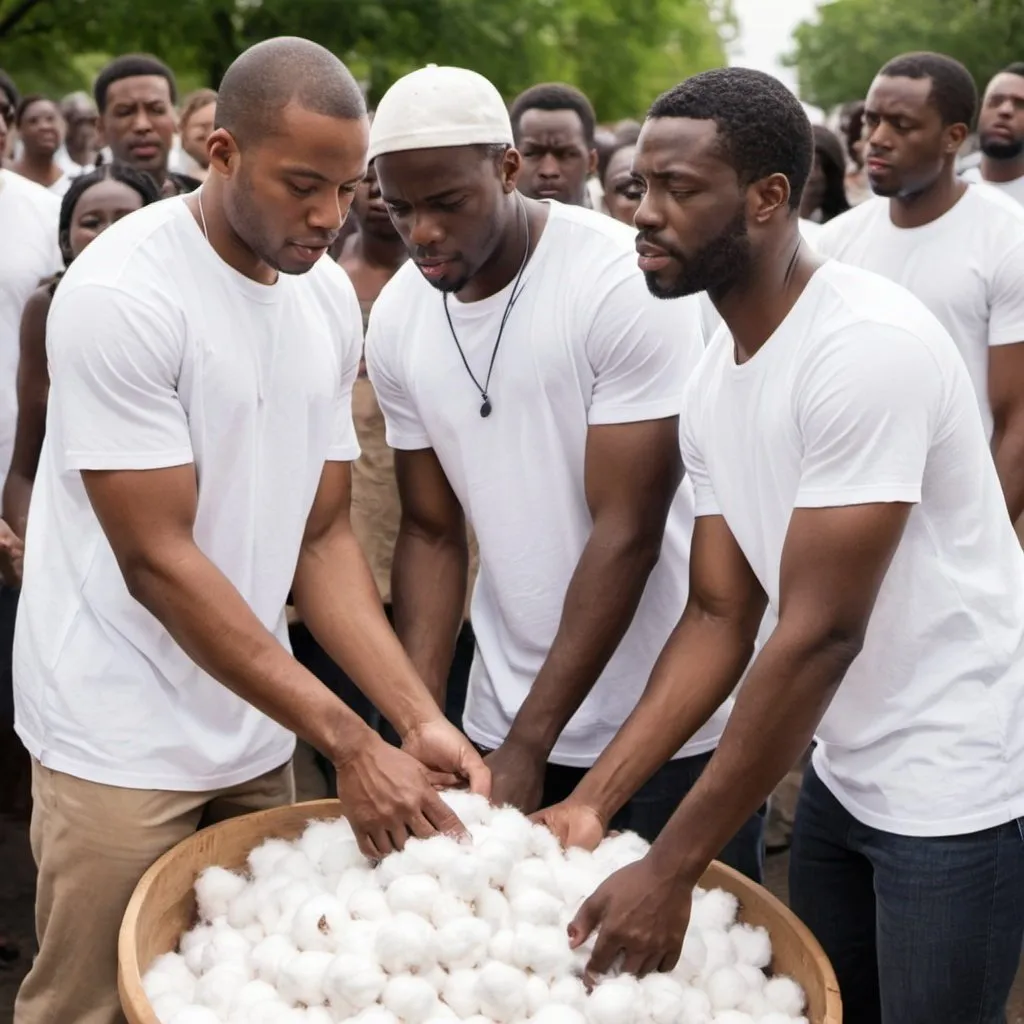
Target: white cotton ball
[[463, 943], [242, 910], [318, 1015], [375, 1015], [357, 879], [538, 995], [569, 991], [543, 950], [268, 956], [542, 842], [478, 835], [341, 856], [498, 860], [785, 995], [720, 952], [273, 1011], [193, 945], [263, 859], [359, 938], [393, 866], [512, 830], [253, 934], [215, 889], [536, 907], [195, 1015], [460, 993], [756, 1005], [410, 999], [319, 835], [432, 855], [447, 908], [465, 877], [406, 943], [318, 923], [753, 977], [696, 1007], [616, 852], [693, 957], [558, 1013], [301, 979], [501, 945], [502, 992], [278, 913], [253, 994], [167, 1005], [368, 904], [219, 987], [726, 988], [352, 982], [780, 1018], [297, 866], [435, 977], [733, 1017], [662, 998], [169, 973], [470, 808], [492, 907], [414, 893], [616, 1001], [529, 875], [226, 946], [752, 945], [715, 911]]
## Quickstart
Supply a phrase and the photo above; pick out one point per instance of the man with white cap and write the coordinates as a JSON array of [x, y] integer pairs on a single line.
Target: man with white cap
[[531, 383]]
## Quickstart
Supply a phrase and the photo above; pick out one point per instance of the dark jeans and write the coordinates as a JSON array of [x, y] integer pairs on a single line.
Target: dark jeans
[[655, 802], [919, 930], [15, 765]]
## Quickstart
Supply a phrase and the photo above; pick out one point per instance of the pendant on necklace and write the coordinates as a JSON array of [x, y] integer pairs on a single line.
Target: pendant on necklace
[[485, 409]]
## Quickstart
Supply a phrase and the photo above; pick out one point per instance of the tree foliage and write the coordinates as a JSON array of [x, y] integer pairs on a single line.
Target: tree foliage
[[621, 52], [837, 54]]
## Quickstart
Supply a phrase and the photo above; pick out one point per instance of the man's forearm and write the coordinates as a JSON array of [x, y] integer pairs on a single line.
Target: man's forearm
[[599, 606], [780, 704], [211, 622], [428, 595], [699, 668], [16, 497], [1008, 452]]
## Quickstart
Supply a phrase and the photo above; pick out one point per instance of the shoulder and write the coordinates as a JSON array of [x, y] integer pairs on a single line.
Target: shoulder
[[402, 295], [998, 220], [854, 221], [592, 237]]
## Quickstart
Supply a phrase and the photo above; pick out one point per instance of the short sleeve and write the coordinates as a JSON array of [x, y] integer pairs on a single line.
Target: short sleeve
[[705, 502], [402, 425], [866, 411], [1006, 297], [344, 446], [114, 366], [641, 350]]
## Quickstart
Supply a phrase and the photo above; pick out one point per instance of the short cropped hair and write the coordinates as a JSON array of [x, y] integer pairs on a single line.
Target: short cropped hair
[[953, 91], [131, 65], [554, 96]]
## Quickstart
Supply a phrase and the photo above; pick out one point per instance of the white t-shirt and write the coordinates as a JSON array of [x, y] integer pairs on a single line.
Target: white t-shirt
[[1014, 189], [860, 397], [585, 344], [966, 267], [29, 253], [61, 185], [162, 355]]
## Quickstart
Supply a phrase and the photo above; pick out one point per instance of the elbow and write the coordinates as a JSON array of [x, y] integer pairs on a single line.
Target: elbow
[[638, 547], [834, 644]]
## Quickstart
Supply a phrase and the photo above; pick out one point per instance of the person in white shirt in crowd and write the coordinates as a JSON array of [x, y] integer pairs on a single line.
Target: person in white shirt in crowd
[[530, 384], [842, 478], [194, 127], [41, 130], [78, 154], [196, 466], [1001, 134], [958, 247]]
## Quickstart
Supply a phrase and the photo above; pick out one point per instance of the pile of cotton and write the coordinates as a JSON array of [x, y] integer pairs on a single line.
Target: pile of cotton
[[445, 931]]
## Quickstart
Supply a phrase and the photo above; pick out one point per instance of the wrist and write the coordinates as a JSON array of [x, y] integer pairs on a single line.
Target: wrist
[[676, 864], [527, 741], [349, 741]]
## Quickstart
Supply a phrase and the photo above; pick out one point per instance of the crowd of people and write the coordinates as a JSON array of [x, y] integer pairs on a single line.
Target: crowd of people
[[615, 472]]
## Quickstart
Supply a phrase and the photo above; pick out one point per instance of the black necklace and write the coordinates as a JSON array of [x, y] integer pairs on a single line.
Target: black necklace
[[485, 409]]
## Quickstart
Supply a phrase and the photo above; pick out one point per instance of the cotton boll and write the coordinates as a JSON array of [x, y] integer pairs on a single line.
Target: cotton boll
[[318, 923], [752, 977], [353, 982], [720, 952], [479, 833], [618, 851], [693, 957], [273, 1011], [169, 973], [278, 914], [368, 904], [215, 889], [447, 908], [662, 998], [410, 999], [492, 907], [253, 994], [780, 1018], [538, 995], [469, 808], [465, 877], [543, 950], [756, 1005], [569, 991], [263, 859], [219, 987], [406, 943], [226, 946], [435, 977], [195, 1015], [393, 866], [167, 1005], [536, 907], [528, 875], [463, 943], [696, 1007], [339, 857], [715, 911], [267, 957], [558, 1013], [432, 855], [243, 908], [502, 992], [512, 829], [356, 879], [414, 893], [359, 938], [726, 989], [542, 842], [785, 995], [193, 945], [460, 993], [733, 1017], [752, 945], [375, 1015], [614, 1002], [498, 860], [502, 945], [297, 866], [301, 979], [318, 1015], [320, 835]]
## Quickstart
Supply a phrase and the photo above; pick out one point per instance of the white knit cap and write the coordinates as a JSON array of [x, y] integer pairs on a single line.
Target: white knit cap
[[437, 107]]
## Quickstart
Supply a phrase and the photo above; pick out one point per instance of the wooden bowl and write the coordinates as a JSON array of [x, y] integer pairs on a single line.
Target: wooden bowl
[[163, 907]]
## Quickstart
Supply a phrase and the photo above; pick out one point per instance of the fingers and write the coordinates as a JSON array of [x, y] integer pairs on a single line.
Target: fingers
[[606, 952], [445, 780], [442, 817], [586, 920], [421, 828], [478, 774], [669, 960]]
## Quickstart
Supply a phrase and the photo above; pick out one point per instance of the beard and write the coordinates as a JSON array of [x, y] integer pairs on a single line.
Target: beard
[[722, 264], [1002, 149]]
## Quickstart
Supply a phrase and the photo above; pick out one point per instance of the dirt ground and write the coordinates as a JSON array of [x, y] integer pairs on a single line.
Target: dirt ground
[[17, 883]]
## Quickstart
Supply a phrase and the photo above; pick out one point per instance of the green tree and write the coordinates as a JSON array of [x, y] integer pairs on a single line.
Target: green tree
[[837, 54]]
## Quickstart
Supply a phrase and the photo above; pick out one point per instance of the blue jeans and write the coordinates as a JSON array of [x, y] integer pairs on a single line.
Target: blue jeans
[[919, 930]]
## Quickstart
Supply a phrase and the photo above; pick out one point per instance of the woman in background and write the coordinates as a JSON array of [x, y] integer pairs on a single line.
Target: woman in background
[[41, 130], [825, 192], [195, 127], [622, 193]]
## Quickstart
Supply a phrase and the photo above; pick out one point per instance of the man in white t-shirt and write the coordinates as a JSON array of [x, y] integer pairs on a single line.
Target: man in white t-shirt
[[1001, 134], [842, 478], [196, 467], [529, 382], [959, 248]]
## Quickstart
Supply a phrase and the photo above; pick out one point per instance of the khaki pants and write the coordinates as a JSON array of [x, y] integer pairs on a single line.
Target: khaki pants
[[92, 844]]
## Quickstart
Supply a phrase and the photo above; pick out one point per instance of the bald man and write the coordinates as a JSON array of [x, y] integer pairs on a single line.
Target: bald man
[[197, 462]]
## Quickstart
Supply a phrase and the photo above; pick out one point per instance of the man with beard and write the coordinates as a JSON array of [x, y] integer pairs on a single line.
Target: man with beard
[[196, 466], [135, 96], [958, 247], [1001, 132], [842, 479], [531, 385]]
